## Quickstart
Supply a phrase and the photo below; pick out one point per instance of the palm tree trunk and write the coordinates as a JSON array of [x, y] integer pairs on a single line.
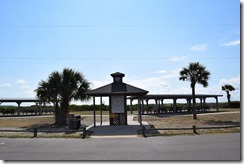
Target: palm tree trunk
[[62, 114], [56, 112], [194, 102], [228, 97]]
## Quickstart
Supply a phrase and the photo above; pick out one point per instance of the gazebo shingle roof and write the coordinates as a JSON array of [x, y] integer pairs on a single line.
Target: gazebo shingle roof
[[117, 88]]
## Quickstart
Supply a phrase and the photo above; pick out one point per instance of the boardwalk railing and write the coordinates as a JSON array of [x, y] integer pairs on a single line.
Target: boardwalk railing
[[193, 128], [36, 130]]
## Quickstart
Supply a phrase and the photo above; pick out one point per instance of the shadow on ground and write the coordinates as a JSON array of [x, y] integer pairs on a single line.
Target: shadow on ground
[[116, 130]]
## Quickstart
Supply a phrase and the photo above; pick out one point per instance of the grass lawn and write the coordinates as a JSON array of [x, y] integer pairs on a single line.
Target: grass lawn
[[221, 118], [186, 121]]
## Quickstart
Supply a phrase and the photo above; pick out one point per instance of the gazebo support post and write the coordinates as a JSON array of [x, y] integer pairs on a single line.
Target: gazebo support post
[[101, 112], [142, 106], [131, 106], [139, 111], [94, 111]]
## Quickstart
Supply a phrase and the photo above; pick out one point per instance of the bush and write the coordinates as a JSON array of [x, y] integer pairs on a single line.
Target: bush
[[74, 108], [235, 104], [7, 111]]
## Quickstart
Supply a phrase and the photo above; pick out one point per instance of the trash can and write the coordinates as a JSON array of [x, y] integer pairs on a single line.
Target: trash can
[[77, 122], [74, 122], [71, 123]]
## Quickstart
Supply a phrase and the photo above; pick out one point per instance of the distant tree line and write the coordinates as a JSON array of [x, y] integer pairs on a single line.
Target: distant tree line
[[31, 110]]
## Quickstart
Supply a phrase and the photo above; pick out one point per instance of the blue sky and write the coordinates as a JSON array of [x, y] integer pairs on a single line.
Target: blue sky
[[148, 40]]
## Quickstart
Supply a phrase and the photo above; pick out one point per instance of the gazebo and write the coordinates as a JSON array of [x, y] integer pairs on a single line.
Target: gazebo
[[117, 93]]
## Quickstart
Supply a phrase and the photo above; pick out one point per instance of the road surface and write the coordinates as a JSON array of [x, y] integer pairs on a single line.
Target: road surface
[[197, 147]]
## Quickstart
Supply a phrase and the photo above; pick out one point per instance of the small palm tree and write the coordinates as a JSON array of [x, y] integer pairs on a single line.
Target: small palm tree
[[195, 73], [60, 88], [228, 88]]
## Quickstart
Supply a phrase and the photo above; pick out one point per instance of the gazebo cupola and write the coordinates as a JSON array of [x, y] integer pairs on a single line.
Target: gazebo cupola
[[118, 77]]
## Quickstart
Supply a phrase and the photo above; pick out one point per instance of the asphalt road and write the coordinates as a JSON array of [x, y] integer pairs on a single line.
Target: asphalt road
[[197, 147]]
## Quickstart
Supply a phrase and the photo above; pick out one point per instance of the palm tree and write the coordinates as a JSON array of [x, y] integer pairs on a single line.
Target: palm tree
[[228, 88], [60, 88], [195, 73]]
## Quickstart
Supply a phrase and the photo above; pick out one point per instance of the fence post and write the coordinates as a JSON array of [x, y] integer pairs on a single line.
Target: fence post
[[144, 131], [84, 132], [194, 129], [35, 132]]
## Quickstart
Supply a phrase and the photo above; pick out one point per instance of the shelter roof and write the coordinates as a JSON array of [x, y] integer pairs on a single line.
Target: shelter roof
[[172, 96], [19, 100]]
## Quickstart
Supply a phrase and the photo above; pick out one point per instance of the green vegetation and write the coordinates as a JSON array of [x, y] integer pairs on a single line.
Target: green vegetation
[[60, 88], [228, 88], [195, 73]]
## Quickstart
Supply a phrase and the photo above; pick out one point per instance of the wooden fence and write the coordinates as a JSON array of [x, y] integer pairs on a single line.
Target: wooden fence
[[193, 128], [35, 131]]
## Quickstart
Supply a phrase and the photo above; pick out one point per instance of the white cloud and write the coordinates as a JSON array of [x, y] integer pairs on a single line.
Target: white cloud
[[168, 83], [234, 81], [161, 71], [231, 43], [21, 82], [3, 85], [199, 47], [177, 58]]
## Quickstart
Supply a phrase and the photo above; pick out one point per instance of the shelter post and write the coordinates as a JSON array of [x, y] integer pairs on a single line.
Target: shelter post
[[174, 105], [131, 106], [156, 104], [94, 111], [101, 113], [202, 108], [147, 102], [204, 103], [18, 102], [162, 103], [142, 106], [217, 103]]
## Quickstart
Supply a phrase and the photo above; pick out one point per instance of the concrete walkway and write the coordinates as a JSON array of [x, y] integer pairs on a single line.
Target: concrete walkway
[[107, 131]]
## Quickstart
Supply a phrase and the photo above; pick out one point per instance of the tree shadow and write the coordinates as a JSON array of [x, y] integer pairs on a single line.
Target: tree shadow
[[51, 129]]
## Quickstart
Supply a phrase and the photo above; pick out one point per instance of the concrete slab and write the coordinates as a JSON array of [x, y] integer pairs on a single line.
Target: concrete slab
[[125, 131]]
